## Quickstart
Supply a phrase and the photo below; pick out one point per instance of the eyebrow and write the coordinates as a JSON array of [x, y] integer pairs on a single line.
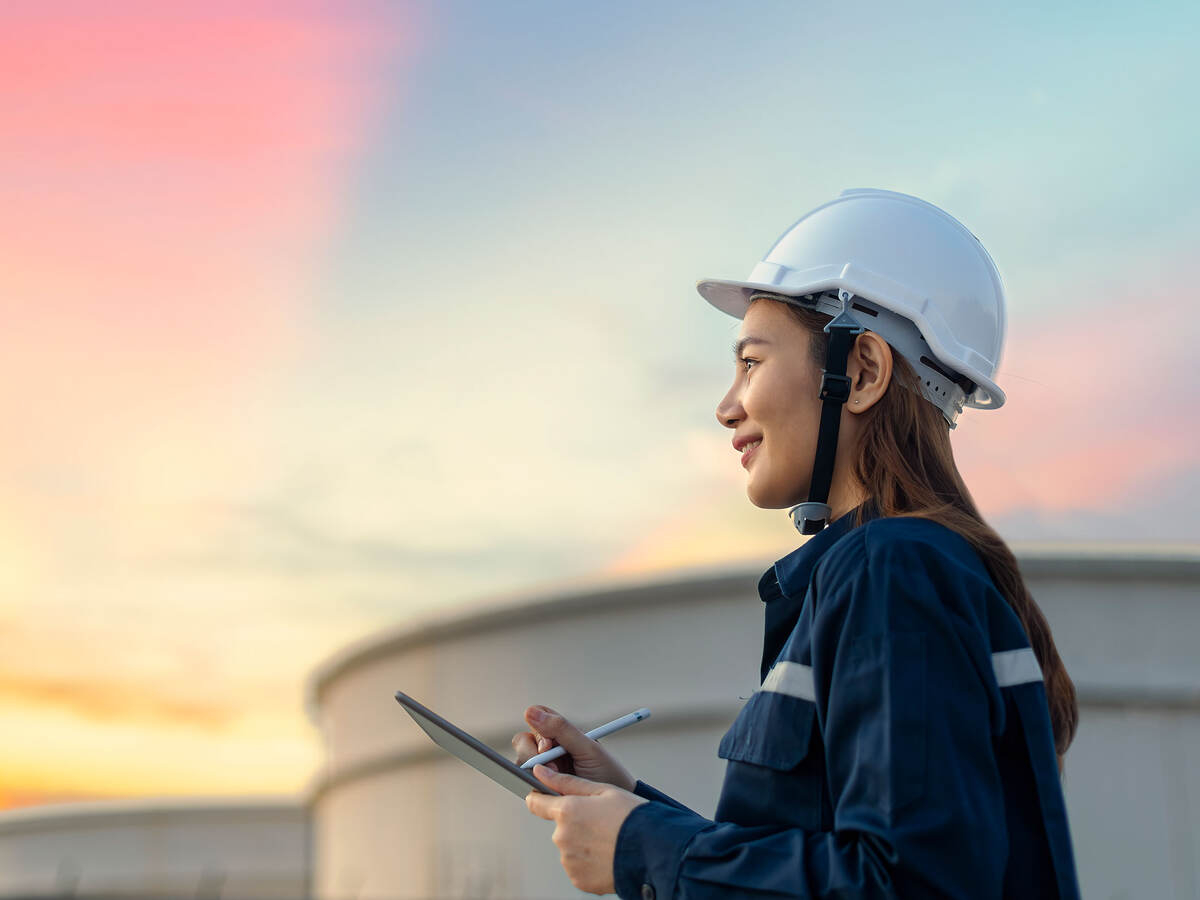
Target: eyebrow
[[741, 345]]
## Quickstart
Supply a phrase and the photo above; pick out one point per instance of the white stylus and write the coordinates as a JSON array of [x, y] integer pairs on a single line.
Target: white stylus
[[595, 734]]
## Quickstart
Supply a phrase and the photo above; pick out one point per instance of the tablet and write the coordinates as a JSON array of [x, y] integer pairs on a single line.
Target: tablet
[[474, 752]]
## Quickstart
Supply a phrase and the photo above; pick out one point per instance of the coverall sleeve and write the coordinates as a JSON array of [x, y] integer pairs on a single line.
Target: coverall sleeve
[[904, 713], [641, 789]]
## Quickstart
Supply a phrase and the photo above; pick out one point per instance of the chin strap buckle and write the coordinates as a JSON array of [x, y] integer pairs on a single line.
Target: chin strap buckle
[[835, 387], [809, 517]]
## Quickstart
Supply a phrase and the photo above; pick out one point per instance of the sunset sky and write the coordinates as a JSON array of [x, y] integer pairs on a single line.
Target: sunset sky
[[322, 316]]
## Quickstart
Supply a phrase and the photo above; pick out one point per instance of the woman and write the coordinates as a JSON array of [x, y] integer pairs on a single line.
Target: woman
[[908, 734]]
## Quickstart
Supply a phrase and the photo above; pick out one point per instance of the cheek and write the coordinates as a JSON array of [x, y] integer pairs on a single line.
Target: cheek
[[784, 408], [791, 438], [787, 451], [761, 398]]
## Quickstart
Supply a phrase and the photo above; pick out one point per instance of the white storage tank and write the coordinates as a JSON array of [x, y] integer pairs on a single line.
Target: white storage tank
[[241, 849]]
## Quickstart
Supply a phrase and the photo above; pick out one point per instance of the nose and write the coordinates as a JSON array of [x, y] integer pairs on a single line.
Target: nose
[[729, 410]]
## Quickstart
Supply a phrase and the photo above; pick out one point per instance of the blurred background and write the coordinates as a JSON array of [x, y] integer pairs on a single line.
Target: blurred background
[[325, 318]]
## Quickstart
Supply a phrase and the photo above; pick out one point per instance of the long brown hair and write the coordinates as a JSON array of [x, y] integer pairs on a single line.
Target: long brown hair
[[905, 465]]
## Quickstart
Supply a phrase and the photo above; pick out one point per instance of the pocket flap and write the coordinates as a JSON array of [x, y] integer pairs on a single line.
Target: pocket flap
[[773, 730]]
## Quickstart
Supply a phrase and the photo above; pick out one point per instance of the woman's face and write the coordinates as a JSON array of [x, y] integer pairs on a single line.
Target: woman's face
[[772, 405]]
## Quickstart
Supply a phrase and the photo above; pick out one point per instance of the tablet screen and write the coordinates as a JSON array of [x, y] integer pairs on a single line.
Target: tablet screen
[[471, 750]]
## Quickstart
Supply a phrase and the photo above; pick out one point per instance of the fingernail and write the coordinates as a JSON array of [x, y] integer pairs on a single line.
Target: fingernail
[[536, 714]]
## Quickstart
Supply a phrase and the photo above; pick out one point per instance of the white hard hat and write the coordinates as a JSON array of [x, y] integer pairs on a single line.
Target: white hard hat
[[906, 263]]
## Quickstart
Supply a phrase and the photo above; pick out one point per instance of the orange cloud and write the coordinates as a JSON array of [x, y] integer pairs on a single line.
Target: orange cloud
[[57, 755], [12, 797], [112, 699]]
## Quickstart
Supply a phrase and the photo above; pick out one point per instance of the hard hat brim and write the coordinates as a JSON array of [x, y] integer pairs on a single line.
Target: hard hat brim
[[733, 298]]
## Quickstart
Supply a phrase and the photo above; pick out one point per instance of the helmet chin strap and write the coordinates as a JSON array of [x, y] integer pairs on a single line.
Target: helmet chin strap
[[813, 514]]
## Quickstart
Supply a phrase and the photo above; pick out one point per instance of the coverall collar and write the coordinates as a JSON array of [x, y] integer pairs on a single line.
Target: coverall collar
[[795, 569], [783, 586]]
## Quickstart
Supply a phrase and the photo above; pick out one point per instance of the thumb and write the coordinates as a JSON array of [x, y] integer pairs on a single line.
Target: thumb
[[567, 784], [551, 724]]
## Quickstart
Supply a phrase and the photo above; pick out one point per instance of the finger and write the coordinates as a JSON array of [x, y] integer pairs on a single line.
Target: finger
[[533, 718], [553, 725], [523, 743], [566, 784], [541, 805]]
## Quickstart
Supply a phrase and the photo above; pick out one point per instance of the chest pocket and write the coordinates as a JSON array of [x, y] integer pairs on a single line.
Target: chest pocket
[[776, 771], [773, 730]]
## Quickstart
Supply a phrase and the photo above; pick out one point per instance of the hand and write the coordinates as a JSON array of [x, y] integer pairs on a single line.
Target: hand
[[587, 819], [585, 757]]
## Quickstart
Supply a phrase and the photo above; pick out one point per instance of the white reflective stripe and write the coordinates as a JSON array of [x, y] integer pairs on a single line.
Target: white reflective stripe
[[1012, 667], [791, 678], [1016, 667]]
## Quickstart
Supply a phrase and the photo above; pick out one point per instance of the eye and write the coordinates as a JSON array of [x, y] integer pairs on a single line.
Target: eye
[[746, 362]]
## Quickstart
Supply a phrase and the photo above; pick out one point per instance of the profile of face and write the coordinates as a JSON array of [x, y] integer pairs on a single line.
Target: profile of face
[[772, 406]]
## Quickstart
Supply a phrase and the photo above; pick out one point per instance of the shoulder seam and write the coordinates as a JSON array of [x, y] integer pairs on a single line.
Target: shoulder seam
[[875, 539]]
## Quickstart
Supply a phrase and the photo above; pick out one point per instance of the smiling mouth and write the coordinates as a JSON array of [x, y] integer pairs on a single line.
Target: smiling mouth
[[748, 451]]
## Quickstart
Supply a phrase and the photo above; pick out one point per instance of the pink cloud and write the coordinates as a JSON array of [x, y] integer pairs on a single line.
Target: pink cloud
[[171, 176], [1102, 403]]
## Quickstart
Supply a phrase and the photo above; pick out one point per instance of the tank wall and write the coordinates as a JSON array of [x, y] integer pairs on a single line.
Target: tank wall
[[595, 665], [164, 851]]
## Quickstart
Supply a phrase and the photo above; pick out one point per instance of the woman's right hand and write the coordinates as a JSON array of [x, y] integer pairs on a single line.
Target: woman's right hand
[[585, 757]]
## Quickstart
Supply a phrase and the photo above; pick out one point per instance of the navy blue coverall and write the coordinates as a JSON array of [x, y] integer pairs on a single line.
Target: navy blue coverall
[[899, 746]]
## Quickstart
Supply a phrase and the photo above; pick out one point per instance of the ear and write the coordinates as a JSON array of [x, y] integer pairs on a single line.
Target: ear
[[869, 367]]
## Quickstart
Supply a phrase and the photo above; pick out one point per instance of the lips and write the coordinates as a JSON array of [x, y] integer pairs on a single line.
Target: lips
[[744, 441], [749, 450]]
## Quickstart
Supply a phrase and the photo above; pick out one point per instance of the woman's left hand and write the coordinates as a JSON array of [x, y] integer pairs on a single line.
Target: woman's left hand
[[587, 818]]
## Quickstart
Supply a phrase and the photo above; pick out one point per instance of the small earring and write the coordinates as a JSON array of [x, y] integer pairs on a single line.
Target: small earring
[[855, 401]]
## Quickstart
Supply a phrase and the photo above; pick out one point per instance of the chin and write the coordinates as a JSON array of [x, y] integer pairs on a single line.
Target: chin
[[768, 499], [775, 496]]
